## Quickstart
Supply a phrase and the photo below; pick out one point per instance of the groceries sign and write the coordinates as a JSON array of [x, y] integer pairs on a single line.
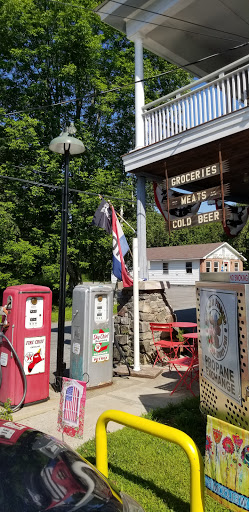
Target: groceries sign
[[198, 174]]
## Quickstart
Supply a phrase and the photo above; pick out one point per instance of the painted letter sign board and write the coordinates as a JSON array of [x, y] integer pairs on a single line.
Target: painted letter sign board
[[195, 197], [219, 340], [197, 220], [239, 277], [196, 175]]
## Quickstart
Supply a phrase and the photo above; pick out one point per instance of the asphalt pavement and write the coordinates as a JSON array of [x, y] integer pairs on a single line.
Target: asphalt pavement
[[136, 395]]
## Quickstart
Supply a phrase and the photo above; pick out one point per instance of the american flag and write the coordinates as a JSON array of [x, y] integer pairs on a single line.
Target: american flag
[[71, 405]]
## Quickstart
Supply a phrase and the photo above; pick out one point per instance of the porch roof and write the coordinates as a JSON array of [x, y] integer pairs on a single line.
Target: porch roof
[[184, 31]]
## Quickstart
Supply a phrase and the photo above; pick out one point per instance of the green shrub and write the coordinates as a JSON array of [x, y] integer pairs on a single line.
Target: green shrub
[[6, 411]]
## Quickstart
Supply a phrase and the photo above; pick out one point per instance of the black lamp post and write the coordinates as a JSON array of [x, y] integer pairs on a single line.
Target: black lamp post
[[66, 145]]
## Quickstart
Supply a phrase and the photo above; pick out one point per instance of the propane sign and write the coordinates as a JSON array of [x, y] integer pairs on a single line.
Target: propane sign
[[34, 355], [100, 351], [219, 340], [239, 277]]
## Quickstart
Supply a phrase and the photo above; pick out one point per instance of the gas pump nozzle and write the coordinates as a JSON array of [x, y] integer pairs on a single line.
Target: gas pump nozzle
[[4, 312]]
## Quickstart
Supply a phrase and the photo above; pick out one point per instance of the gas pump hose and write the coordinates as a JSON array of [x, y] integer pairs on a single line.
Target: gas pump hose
[[16, 407]]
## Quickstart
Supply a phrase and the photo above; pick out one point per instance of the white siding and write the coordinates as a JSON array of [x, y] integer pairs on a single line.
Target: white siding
[[177, 272]]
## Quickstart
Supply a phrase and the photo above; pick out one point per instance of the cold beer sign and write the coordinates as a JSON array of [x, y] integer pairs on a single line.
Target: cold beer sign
[[197, 220]]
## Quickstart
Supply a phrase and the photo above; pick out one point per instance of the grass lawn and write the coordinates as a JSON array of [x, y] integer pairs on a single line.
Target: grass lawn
[[55, 311], [68, 313], [155, 472]]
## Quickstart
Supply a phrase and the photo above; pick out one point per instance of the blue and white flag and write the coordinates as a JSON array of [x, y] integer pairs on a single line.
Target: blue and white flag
[[105, 217], [120, 248]]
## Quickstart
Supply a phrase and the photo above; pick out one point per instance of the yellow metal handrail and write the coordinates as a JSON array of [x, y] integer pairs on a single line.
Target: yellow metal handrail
[[157, 430]]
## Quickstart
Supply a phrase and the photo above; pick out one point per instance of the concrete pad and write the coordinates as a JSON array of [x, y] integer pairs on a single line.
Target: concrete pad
[[149, 372], [132, 395]]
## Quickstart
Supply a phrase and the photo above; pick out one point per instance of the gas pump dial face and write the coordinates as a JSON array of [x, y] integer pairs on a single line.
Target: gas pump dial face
[[34, 313], [100, 308]]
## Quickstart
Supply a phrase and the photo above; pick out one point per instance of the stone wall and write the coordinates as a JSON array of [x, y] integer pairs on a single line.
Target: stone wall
[[153, 307]]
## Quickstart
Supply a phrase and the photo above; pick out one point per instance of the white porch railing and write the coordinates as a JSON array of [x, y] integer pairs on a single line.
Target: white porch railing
[[218, 94]]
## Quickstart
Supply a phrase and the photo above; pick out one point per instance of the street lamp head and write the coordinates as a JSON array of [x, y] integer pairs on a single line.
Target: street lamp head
[[65, 142]]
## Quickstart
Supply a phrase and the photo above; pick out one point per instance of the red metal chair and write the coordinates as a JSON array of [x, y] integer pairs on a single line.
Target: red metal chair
[[166, 349], [189, 375], [191, 347]]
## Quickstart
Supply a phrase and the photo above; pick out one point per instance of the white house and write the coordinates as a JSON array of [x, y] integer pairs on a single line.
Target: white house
[[182, 265]]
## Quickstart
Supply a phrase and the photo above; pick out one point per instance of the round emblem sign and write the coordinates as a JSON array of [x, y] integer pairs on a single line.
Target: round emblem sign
[[216, 327]]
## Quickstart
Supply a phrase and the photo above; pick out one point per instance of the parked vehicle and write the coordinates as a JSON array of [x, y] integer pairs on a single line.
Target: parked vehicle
[[39, 473]]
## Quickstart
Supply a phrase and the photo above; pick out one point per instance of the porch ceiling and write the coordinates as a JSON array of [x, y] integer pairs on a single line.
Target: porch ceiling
[[234, 148], [183, 31]]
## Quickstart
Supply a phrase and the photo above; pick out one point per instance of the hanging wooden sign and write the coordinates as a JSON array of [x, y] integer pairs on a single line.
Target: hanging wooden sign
[[222, 187], [198, 174], [198, 220], [195, 197]]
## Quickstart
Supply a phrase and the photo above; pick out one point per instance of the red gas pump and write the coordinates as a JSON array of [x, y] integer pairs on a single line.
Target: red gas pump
[[28, 330]]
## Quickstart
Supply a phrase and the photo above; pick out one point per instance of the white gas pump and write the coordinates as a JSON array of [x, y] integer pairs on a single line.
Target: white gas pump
[[92, 335]]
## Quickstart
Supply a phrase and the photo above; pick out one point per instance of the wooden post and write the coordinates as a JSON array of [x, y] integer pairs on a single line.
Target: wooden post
[[167, 190], [222, 188]]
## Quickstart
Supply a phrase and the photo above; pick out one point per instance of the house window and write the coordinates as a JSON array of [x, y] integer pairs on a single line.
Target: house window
[[165, 267], [208, 266], [236, 266], [216, 266], [189, 267]]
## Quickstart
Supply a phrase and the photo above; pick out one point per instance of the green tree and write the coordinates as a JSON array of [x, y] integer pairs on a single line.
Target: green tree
[[59, 63]]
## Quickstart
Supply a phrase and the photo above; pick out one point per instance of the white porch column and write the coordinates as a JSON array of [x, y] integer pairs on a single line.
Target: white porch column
[[141, 198], [141, 228], [139, 91]]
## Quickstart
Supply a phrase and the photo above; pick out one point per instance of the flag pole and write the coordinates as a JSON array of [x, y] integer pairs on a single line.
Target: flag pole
[[122, 218], [136, 306]]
